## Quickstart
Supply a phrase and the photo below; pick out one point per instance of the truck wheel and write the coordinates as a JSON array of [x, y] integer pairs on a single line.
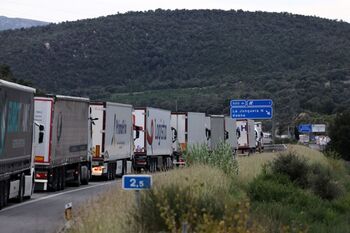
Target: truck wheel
[[2, 194], [7, 191], [84, 175], [59, 179], [77, 178], [114, 171], [63, 178], [53, 182]]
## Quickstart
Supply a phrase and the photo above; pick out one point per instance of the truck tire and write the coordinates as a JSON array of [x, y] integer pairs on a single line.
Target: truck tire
[[77, 176], [63, 178], [2, 194], [114, 171], [7, 191], [61, 183], [53, 182], [59, 179], [84, 175]]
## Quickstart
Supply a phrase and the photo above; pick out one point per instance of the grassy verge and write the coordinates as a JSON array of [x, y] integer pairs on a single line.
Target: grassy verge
[[268, 192], [251, 166], [296, 193]]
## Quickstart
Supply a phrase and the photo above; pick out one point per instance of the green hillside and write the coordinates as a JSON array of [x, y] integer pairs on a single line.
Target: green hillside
[[197, 59]]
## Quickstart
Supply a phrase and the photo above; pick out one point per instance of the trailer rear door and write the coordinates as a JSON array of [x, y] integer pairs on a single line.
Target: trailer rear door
[[43, 109]]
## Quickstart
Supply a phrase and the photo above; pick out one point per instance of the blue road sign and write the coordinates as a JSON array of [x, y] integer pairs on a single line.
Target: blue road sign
[[305, 128], [136, 182], [251, 103], [236, 103], [251, 112]]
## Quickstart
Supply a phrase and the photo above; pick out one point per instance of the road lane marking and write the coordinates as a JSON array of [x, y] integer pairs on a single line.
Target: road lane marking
[[57, 194]]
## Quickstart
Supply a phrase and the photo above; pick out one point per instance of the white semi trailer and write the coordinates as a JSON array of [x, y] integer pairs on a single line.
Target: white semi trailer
[[223, 130], [259, 136], [231, 129], [63, 157], [152, 139], [16, 141], [246, 135], [218, 133], [189, 130], [112, 138]]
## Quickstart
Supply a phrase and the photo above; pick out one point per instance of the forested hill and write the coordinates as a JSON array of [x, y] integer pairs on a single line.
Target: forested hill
[[199, 58]]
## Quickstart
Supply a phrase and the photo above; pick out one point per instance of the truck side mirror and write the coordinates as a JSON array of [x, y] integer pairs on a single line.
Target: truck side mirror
[[208, 133], [238, 133], [41, 133], [137, 131], [174, 134]]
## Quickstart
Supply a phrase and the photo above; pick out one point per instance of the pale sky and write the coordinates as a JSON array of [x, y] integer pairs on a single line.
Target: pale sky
[[68, 10]]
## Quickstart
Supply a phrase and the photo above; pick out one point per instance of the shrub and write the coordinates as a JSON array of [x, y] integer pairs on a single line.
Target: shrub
[[322, 183], [332, 154], [200, 202], [221, 157], [293, 166], [270, 188], [339, 132]]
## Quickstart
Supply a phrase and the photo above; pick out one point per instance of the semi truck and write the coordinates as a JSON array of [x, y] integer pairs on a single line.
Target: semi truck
[[208, 130], [259, 136], [189, 129], [16, 141], [247, 136], [152, 139], [223, 130], [63, 157], [218, 133], [231, 129], [112, 138]]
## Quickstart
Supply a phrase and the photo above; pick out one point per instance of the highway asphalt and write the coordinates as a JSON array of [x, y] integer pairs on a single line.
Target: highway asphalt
[[44, 212]]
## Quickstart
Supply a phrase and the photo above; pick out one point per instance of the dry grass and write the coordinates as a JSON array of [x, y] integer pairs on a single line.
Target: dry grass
[[110, 211], [105, 213], [251, 166]]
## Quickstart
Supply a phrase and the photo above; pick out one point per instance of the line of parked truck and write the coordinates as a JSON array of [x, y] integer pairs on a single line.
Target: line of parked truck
[[48, 142]]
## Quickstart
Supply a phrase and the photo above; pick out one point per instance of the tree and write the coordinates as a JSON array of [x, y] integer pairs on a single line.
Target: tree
[[339, 133], [5, 73]]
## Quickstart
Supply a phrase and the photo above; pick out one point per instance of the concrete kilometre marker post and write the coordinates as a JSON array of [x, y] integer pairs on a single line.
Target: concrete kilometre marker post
[[68, 215]]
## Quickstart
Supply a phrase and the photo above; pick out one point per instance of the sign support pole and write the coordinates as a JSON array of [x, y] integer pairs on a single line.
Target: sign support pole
[[138, 198]]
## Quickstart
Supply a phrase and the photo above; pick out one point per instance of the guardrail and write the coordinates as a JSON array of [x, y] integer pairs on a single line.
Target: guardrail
[[274, 147]]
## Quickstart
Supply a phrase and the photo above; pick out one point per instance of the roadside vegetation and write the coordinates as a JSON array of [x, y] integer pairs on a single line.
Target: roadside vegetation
[[297, 191]]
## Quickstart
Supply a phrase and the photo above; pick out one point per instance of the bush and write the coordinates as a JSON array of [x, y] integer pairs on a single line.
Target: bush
[[221, 157], [339, 132], [293, 166], [202, 203], [322, 183], [270, 188]]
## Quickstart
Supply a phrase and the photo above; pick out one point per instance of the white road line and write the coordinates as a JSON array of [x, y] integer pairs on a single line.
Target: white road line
[[55, 195]]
